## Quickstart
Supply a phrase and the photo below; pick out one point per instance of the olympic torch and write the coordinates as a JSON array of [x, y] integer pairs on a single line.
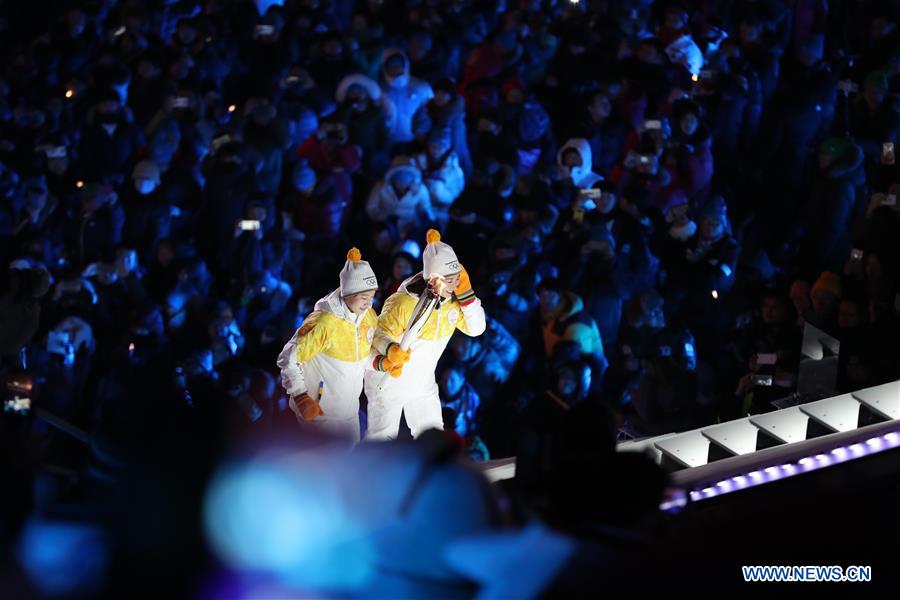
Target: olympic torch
[[428, 301]]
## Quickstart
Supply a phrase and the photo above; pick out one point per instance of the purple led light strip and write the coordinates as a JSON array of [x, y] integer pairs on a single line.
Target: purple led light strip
[[804, 465]]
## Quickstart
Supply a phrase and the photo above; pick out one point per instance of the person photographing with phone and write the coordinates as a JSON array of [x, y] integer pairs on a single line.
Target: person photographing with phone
[[414, 328], [769, 348], [323, 363]]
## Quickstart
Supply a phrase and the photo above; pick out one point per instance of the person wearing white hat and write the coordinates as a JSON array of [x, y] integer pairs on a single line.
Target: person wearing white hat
[[414, 391], [323, 363]]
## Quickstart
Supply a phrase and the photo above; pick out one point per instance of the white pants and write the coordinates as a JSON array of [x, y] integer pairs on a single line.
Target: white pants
[[344, 425], [422, 413]]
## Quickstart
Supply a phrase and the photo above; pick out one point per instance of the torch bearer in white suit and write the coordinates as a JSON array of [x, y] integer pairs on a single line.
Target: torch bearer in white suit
[[413, 330]]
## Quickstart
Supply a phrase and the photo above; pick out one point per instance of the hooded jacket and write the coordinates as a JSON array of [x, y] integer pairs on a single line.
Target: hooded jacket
[[406, 95], [384, 203], [583, 176], [418, 375], [684, 51], [445, 183], [327, 356], [367, 129], [451, 116], [362, 81], [572, 322]]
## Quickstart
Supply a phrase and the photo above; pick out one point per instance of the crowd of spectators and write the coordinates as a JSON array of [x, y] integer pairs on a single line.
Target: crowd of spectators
[[648, 195]]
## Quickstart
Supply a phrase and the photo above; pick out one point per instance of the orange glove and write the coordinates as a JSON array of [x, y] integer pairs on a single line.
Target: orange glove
[[397, 355], [394, 369], [385, 365], [464, 292], [307, 408]]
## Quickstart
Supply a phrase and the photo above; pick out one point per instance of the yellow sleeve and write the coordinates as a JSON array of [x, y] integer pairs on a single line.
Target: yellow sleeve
[[392, 321], [367, 328], [371, 318], [311, 337]]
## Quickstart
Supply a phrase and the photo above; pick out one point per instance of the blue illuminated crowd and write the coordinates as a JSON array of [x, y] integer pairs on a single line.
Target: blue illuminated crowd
[[648, 195]]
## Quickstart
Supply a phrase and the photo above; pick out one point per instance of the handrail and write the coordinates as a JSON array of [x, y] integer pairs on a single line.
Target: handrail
[[51, 419]]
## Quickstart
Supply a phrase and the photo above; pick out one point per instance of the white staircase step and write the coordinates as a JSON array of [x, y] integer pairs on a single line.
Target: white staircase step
[[882, 399]]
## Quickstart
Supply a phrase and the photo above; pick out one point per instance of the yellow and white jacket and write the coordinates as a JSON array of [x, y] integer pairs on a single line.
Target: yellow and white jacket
[[418, 375], [327, 356]]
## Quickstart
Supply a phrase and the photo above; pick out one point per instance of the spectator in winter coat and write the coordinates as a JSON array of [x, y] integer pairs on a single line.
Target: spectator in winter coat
[[833, 204], [442, 174], [488, 361], [564, 318], [776, 332], [333, 158], [430, 57], [147, 216], [575, 163], [459, 395], [607, 274], [759, 56], [604, 130], [694, 140], [96, 229], [672, 243], [802, 105], [265, 138], [713, 254], [544, 418], [37, 228], [361, 110], [302, 97], [20, 309], [406, 94], [230, 179], [401, 198], [110, 140], [319, 207], [447, 110], [665, 398], [334, 62], [519, 136], [531, 145], [873, 119]]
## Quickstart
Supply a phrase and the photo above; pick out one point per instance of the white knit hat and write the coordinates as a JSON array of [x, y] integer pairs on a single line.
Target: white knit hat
[[438, 258], [357, 276]]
